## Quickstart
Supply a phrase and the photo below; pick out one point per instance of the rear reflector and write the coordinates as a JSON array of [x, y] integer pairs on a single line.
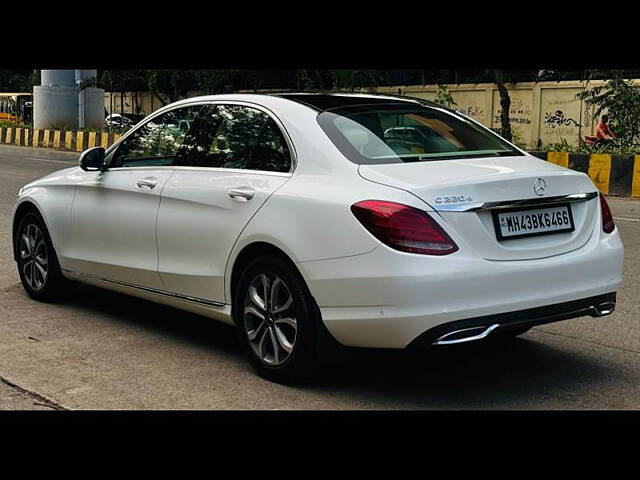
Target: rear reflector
[[607, 217], [403, 227]]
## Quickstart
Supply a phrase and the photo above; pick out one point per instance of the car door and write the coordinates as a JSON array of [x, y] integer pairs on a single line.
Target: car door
[[114, 212], [234, 158]]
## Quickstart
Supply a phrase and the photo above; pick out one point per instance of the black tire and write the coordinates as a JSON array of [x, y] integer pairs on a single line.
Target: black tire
[[300, 362], [54, 285]]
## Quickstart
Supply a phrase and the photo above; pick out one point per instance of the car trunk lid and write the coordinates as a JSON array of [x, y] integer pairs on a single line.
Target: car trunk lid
[[468, 193]]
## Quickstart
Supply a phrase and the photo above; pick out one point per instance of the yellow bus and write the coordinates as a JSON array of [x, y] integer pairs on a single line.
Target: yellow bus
[[16, 107]]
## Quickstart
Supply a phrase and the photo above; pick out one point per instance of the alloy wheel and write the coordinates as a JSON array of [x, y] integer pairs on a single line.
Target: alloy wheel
[[269, 319], [33, 257]]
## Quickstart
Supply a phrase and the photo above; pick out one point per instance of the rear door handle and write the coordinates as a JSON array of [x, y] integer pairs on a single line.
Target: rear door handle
[[147, 182], [242, 193]]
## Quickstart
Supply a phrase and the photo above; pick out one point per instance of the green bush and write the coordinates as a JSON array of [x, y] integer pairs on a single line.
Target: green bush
[[7, 124], [620, 99], [561, 146]]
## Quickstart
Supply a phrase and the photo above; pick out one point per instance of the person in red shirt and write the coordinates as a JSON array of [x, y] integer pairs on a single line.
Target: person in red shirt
[[603, 132]]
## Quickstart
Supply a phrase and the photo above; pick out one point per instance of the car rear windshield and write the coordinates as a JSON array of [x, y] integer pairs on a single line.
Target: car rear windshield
[[395, 133]]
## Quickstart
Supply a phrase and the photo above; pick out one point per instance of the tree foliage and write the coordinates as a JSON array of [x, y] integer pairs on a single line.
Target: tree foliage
[[620, 99], [443, 96]]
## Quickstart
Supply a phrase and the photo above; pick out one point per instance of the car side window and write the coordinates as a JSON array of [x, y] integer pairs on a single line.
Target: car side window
[[156, 143], [234, 136], [271, 152]]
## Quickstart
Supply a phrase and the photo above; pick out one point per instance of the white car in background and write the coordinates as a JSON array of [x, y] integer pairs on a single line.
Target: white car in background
[[292, 217]]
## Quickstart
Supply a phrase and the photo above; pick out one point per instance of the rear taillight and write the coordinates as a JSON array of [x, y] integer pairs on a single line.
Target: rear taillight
[[403, 227], [607, 217]]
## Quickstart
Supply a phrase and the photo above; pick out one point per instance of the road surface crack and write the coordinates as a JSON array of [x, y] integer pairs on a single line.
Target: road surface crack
[[42, 400]]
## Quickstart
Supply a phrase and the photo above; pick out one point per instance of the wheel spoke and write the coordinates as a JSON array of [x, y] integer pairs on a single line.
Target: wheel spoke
[[41, 270], [25, 240], [285, 306], [273, 292], [282, 340], [26, 269], [288, 321], [266, 286], [31, 233], [33, 275], [274, 343], [278, 283], [250, 309], [252, 334], [261, 350]]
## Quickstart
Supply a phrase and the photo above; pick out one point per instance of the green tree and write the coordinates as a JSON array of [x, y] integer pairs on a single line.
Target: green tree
[[620, 99], [505, 105], [443, 96]]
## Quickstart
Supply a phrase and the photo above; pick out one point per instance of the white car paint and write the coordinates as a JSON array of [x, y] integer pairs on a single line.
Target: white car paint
[[180, 240]]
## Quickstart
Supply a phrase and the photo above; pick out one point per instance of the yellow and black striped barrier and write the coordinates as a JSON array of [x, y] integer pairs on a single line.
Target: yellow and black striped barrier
[[59, 139], [612, 174]]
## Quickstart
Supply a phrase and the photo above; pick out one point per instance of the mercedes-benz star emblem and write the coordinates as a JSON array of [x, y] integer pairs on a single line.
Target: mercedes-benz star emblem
[[540, 186]]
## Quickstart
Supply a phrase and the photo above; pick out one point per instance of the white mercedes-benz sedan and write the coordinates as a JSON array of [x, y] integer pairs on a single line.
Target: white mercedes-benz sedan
[[363, 220]]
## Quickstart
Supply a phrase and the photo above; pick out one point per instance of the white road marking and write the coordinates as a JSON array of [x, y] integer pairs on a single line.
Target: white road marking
[[627, 219]]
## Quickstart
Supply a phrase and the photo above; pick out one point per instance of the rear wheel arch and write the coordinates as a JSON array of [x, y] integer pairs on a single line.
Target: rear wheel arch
[[327, 348], [252, 251]]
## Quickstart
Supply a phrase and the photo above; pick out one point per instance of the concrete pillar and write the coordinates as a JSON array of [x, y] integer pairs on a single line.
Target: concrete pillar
[[55, 102], [58, 102]]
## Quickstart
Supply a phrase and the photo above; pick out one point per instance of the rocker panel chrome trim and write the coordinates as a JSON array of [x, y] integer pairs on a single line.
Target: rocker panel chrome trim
[[179, 296]]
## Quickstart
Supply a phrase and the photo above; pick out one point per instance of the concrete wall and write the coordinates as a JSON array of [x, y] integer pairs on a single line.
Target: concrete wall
[[541, 113], [142, 103]]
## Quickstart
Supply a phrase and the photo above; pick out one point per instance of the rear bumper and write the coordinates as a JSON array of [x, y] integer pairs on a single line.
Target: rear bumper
[[477, 328], [389, 299]]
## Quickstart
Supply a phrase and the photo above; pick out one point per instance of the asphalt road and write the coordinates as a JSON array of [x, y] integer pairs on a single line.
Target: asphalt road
[[103, 350]]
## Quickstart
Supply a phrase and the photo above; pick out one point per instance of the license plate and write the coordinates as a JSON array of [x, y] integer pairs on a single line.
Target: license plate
[[527, 222]]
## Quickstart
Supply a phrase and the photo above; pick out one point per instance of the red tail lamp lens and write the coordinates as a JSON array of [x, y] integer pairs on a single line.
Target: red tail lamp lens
[[607, 217], [403, 227]]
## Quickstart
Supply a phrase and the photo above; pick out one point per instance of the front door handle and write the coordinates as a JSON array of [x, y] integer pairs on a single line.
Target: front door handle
[[147, 182], [242, 193]]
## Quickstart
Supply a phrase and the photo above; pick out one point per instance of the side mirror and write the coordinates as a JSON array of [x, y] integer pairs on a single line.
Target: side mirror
[[92, 159]]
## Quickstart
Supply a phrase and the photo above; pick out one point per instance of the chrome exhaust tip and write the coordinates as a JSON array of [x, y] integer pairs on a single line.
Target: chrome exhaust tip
[[602, 309], [465, 335]]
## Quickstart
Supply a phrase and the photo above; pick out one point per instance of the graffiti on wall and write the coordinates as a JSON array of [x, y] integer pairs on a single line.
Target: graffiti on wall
[[519, 113], [558, 118], [563, 117], [475, 112]]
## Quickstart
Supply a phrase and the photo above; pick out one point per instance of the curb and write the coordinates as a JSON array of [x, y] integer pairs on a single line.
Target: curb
[[59, 139], [612, 174]]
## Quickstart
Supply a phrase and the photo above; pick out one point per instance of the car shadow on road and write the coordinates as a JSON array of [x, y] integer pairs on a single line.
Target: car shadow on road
[[519, 373], [515, 373], [176, 324]]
